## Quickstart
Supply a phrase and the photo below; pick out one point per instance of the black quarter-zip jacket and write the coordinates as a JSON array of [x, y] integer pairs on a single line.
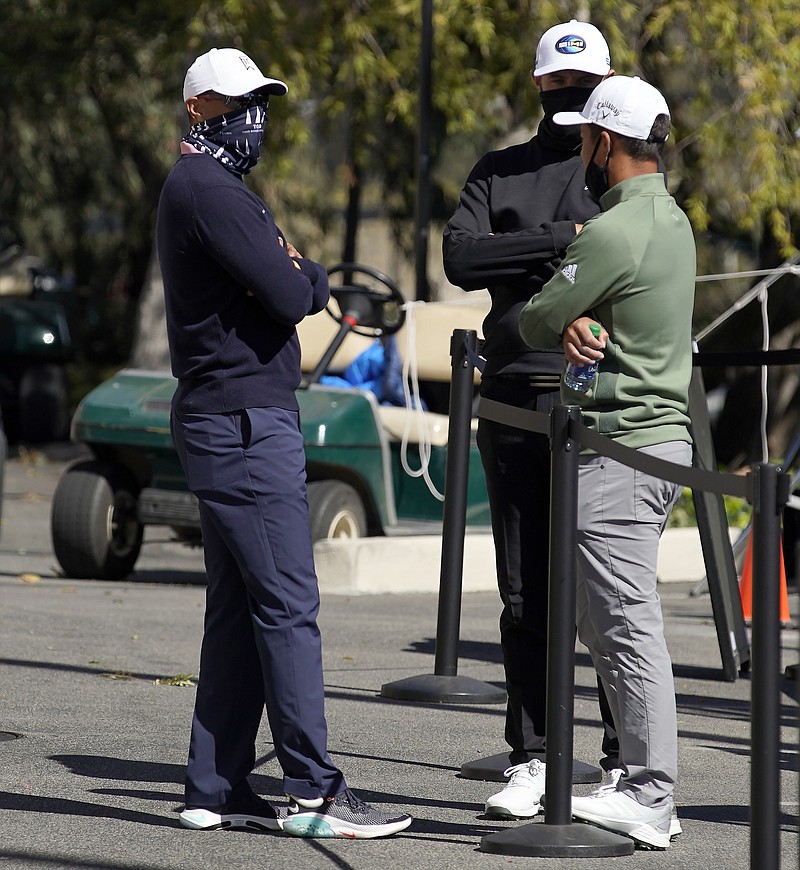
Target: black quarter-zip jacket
[[515, 218]]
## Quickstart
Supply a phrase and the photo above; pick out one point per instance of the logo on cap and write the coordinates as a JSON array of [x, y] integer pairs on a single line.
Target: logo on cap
[[606, 104], [571, 45]]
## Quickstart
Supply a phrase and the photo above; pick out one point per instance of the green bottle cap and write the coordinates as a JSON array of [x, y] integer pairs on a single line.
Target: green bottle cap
[[595, 329]]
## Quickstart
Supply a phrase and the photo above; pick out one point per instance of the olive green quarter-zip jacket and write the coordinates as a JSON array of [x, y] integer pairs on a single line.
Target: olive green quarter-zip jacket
[[632, 268]]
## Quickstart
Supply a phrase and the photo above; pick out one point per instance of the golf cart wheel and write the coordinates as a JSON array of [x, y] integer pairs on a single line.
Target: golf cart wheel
[[335, 511], [94, 524]]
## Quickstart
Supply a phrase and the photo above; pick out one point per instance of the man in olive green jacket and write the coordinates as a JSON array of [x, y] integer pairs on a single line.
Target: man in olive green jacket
[[632, 270]]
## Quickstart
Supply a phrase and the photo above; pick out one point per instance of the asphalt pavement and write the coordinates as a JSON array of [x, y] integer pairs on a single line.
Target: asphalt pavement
[[93, 679]]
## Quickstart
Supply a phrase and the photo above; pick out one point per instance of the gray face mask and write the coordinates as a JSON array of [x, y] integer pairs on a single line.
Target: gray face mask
[[597, 176]]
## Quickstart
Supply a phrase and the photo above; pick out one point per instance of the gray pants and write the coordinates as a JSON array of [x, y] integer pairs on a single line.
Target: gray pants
[[621, 515]]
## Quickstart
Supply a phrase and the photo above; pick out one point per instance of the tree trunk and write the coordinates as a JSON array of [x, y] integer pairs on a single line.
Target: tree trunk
[[353, 213], [150, 349]]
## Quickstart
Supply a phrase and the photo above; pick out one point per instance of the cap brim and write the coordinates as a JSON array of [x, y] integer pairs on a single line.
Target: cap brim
[[276, 87], [571, 64], [569, 119], [272, 86]]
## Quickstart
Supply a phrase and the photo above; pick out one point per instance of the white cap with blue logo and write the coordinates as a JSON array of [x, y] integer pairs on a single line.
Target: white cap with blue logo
[[575, 45]]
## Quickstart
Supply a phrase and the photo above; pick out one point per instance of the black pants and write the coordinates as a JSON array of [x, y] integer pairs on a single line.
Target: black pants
[[517, 468]]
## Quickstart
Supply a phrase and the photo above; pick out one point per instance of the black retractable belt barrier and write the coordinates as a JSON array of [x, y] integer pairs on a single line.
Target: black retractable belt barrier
[[767, 489], [493, 767], [752, 358], [444, 686], [558, 837]]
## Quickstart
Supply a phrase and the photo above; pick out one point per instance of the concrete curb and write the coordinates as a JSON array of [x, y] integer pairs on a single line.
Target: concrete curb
[[413, 564], [404, 564]]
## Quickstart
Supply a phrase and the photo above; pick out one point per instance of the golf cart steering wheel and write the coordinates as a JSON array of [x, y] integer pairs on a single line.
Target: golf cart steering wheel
[[373, 308]]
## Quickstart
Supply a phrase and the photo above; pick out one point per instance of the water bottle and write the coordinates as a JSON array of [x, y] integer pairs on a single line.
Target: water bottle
[[580, 378]]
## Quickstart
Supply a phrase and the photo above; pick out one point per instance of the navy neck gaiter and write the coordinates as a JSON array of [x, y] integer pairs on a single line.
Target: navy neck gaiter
[[233, 138]]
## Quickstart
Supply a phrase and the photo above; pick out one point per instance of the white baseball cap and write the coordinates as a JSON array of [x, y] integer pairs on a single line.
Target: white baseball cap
[[575, 45], [229, 72], [621, 104]]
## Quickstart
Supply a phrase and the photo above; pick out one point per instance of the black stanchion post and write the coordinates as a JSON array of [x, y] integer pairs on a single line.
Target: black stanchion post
[[454, 519], [561, 616], [444, 686], [563, 612], [557, 837], [765, 690], [3, 457]]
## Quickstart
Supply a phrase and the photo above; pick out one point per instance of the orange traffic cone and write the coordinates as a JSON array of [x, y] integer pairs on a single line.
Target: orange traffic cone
[[746, 585]]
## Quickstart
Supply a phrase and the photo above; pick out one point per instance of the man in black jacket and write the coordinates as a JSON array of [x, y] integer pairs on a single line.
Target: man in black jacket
[[519, 209]]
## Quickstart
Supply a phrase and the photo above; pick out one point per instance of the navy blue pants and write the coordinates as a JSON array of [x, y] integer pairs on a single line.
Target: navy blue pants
[[261, 644]]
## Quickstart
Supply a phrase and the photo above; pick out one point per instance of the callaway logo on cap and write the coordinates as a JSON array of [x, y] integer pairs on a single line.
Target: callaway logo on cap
[[621, 104], [575, 45]]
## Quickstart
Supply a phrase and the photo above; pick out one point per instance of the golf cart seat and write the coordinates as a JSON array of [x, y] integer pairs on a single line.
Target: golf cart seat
[[433, 325]]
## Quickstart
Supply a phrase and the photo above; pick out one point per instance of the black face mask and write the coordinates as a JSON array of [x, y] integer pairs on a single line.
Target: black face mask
[[571, 99], [597, 176]]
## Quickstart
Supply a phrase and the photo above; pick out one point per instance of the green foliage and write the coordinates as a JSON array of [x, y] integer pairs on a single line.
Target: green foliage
[[90, 96], [82, 147], [737, 111], [684, 515]]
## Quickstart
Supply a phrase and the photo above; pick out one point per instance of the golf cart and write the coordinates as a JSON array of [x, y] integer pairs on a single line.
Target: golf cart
[[34, 346], [359, 452]]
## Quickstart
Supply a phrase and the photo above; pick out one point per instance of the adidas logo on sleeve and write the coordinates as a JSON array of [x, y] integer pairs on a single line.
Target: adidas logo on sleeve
[[569, 272]]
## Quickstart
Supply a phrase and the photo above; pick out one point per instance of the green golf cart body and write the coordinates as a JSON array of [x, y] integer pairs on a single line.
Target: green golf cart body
[[357, 484]]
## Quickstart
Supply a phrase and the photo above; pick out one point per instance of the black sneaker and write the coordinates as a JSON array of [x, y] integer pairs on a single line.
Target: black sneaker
[[344, 815], [249, 811]]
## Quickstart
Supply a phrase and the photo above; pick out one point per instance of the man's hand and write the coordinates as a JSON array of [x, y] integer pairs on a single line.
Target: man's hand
[[580, 346], [291, 251]]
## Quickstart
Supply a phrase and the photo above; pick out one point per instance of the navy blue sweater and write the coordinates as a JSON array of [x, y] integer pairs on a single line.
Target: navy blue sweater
[[233, 295]]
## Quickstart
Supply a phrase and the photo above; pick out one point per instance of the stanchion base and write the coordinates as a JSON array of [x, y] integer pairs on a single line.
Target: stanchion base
[[491, 769], [443, 690], [540, 840]]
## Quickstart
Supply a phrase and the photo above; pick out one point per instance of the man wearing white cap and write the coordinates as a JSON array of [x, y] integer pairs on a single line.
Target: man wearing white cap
[[631, 269], [234, 290], [519, 210]]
